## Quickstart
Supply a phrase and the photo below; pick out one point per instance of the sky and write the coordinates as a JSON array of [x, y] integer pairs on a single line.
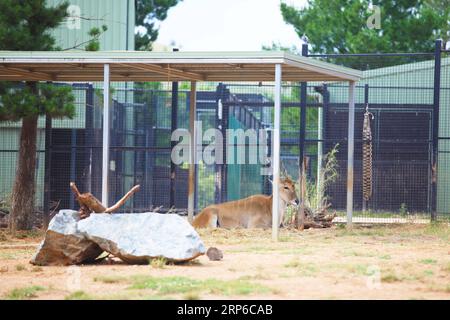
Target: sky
[[227, 25]]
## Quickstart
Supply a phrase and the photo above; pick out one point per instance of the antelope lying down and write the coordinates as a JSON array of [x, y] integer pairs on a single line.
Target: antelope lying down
[[252, 212]]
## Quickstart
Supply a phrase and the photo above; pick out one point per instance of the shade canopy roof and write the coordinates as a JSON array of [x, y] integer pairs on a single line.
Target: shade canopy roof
[[73, 66]]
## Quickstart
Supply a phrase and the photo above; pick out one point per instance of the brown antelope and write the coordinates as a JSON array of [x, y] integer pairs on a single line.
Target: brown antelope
[[252, 212]]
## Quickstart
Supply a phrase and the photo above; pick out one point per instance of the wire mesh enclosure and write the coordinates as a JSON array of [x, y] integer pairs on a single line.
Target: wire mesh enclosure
[[410, 140]]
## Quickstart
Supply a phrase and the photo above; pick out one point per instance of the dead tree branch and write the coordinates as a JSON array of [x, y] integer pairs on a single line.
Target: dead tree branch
[[90, 204]]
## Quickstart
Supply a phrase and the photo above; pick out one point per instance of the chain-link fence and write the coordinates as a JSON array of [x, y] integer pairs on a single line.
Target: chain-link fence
[[410, 170]]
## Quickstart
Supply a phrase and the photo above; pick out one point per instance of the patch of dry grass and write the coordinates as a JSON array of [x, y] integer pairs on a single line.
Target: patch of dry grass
[[28, 235], [158, 263], [110, 279], [24, 293], [185, 285]]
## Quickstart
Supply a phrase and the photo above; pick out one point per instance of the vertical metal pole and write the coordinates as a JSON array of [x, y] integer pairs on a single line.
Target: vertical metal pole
[[350, 147], [47, 174], [89, 136], [219, 125], [303, 101], [436, 101], [73, 159], [173, 127], [105, 148], [320, 147], [192, 149], [276, 153], [224, 96]]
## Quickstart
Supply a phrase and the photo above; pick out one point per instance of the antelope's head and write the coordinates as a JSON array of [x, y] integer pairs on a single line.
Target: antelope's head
[[287, 191]]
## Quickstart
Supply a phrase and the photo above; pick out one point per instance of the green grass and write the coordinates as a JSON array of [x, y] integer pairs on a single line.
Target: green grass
[[354, 253], [359, 269], [305, 269], [24, 293], [184, 285], [428, 273], [428, 261], [436, 229], [109, 279], [286, 239], [258, 276], [78, 295], [362, 232], [16, 254]]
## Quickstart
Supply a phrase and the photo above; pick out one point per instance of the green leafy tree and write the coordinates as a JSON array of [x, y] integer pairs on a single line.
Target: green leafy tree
[[25, 25], [148, 13], [340, 26]]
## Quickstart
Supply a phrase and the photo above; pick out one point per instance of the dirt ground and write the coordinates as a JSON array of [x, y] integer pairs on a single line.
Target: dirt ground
[[377, 262]]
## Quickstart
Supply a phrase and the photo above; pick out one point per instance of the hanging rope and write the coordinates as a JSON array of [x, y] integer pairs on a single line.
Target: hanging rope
[[367, 155]]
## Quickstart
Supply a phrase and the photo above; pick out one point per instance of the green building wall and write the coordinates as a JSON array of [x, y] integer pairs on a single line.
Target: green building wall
[[119, 17]]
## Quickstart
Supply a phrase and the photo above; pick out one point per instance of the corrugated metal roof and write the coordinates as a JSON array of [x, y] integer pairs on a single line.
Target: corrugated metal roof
[[167, 66]]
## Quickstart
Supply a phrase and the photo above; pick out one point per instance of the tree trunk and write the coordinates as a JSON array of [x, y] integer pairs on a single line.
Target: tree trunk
[[22, 205]]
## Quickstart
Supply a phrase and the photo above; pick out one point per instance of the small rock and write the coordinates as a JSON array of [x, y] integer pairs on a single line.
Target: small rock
[[214, 254]]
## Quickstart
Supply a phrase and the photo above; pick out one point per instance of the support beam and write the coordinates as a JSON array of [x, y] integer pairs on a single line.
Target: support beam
[[276, 153], [28, 74], [105, 149], [168, 72], [350, 147], [192, 149]]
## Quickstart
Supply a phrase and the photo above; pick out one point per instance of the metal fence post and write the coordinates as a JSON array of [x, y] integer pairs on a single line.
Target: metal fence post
[[173, 127], [105, 148], [219, 167], [303, 101], [47, 174], [192, 151], [224, 95], [436, 101], [276, 152], [350, 149]]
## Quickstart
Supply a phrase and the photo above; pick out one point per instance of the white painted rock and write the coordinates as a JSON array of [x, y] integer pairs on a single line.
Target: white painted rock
[[138, 237], [64, 244]]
